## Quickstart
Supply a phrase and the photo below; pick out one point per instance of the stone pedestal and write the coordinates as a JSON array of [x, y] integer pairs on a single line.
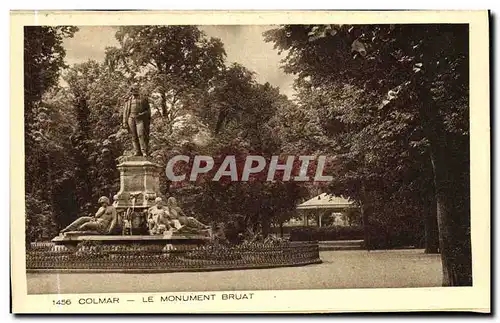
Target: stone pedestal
[[139, 186], [139, 183]]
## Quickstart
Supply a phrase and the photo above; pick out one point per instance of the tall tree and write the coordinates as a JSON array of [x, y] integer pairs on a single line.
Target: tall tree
[[418, 72], [239, 116], [80, 79], [95, 95], [43, 61], [176, 62]]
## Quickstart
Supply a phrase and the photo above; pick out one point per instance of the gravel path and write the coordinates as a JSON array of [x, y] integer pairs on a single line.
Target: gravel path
[[340, 269]]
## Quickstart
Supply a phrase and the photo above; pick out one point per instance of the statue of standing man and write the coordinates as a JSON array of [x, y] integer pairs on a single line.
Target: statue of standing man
[[136, 119]]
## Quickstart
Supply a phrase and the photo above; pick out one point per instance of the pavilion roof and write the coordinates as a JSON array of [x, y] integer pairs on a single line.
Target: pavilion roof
[[326, 201]]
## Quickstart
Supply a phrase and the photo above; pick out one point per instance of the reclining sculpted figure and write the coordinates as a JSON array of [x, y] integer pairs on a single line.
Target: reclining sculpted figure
[[158, 218], [179, 217], [163, 218], [103, 222]]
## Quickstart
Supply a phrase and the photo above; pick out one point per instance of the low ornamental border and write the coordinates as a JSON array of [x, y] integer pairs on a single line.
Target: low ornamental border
[[159, 259]]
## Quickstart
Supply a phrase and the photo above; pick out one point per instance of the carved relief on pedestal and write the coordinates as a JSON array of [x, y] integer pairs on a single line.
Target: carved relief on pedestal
[[139, 187]]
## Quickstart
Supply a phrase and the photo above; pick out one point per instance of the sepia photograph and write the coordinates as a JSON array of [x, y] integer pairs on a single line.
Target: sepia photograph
[[185, 158]]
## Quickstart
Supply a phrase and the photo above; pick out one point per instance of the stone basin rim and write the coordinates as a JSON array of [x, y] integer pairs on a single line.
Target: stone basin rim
[[128, 238]]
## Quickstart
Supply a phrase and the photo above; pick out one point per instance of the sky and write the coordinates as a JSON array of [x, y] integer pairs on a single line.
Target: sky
[[244, 44]]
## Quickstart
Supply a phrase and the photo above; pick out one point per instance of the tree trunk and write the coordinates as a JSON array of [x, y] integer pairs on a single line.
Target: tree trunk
[[163, 101], [454, 231], [451, 168], [431, 226], [366, 227], [281, 229], [365, 217], [430, 208]]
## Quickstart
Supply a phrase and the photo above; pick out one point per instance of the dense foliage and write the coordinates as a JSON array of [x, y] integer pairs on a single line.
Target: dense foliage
[[388, 102], [201, 105], [391, 103], [44, 133]]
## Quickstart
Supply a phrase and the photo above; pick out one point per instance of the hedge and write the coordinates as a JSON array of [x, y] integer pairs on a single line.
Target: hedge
[[380, 236], [327, 233], [394, 236]]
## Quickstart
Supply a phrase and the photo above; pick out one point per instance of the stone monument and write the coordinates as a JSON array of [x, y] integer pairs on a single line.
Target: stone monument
[[139, 176], [136, 119], [139, 188]]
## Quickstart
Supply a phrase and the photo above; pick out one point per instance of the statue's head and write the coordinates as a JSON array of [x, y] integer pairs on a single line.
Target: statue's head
[[135, 89], [103, 200], [159, 201], [172, 202]]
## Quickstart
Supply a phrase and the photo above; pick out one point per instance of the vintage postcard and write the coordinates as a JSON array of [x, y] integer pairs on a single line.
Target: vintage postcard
[[250, 162]]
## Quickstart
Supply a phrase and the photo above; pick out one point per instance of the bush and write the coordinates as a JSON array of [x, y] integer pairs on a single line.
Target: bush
[[326, 233], [381, 236], [40, 224], [395, 235]]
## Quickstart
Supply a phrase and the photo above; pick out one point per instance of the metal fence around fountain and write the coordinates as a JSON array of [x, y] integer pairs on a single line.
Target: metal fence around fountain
[[96, 257]]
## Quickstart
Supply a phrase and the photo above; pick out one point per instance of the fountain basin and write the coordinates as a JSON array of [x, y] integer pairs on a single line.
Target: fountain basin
[[132, 257], [192, 239]]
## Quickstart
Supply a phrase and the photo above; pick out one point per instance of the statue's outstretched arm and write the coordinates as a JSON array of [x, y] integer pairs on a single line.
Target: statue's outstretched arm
[[181, 212], [100, 212], [113, 222]]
